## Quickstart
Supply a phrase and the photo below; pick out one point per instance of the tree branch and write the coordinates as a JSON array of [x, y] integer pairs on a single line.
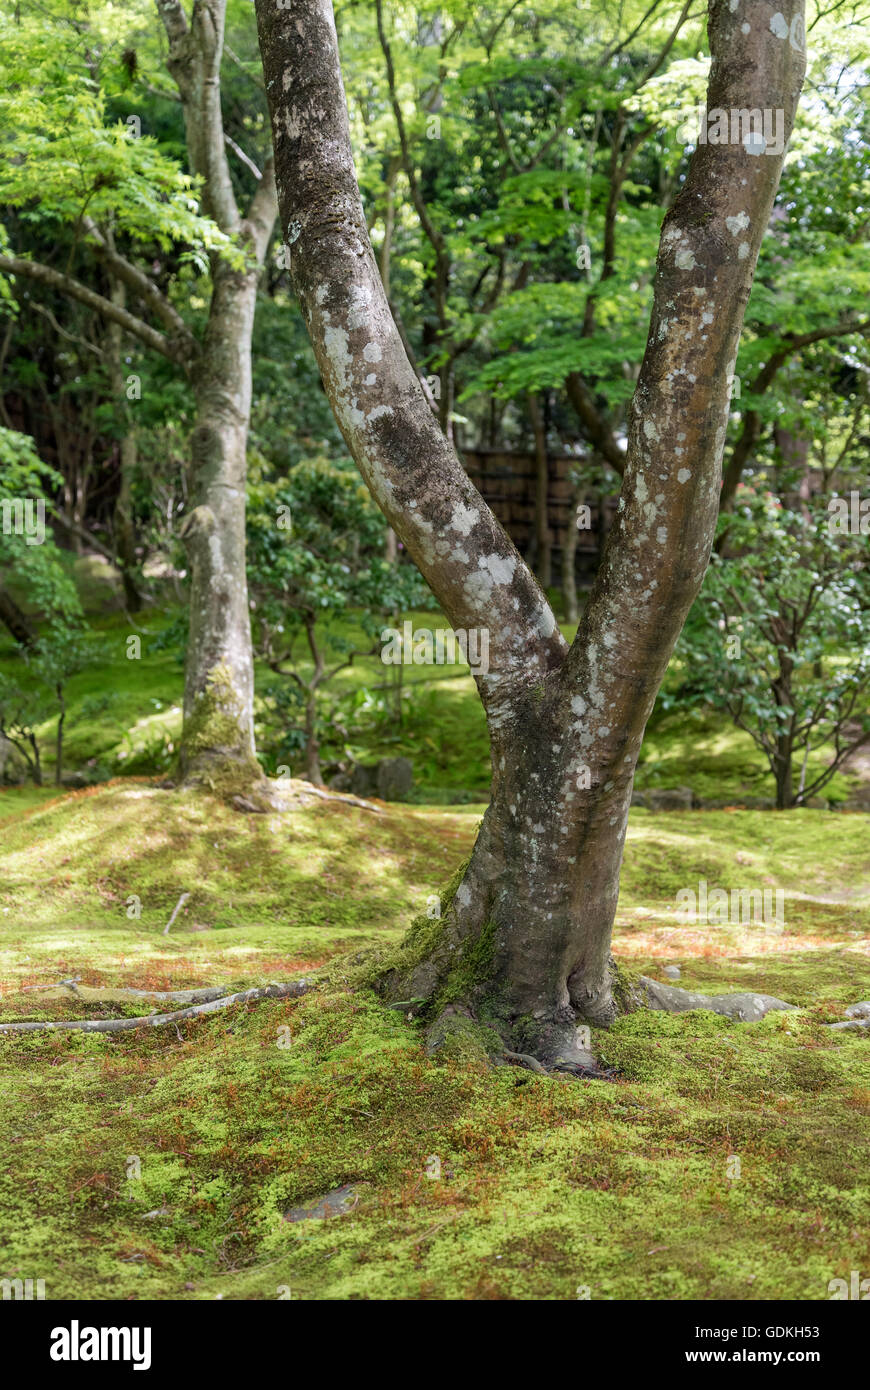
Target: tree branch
[[143, 287], [74, 289]]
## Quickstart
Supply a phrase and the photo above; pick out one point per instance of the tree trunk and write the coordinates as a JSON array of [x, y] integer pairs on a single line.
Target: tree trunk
[[217, 743], [312, 746], [523, 942], [58, 767], [122, 525]]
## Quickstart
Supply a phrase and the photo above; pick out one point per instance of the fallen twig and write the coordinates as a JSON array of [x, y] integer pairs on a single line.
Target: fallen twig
[[293, 989], [181, 901]]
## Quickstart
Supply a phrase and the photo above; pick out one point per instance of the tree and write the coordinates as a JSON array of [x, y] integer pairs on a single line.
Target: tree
[[524, 942], [316, 550], [30, 559], [125, 186], [780, 638]]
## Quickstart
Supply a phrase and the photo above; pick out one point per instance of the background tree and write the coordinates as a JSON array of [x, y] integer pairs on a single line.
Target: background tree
[[316, 553], [125, 188], [780, 638]]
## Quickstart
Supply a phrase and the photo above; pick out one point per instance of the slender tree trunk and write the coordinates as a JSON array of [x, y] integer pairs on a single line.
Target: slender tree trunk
[[58, 766], [782, 691], [313, 770], [122, 525], [524, 942], [218, 734], [312, 745], [217, 741], [36, 765], [16, 620], [543, 537]]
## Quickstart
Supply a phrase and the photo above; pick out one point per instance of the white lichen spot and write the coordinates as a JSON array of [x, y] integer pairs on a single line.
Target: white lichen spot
[[743, 250], [650, 430], [463, 519], [685, 259], [779, 25], [463, 893], [370, 379], [684, 475], [499, 567], [372, 352], [662, 535], [360, 310], [745, 28], [738, 223], [378, 411]]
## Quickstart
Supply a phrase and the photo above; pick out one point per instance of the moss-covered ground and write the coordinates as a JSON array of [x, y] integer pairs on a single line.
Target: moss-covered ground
[[727, 1161]]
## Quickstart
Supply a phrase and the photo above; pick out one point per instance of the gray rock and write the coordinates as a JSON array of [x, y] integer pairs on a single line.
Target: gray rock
[[76, 779], [852, 1025], [335, 1203], [395, 778], [861, 1010], [670, 799], [391, 779], [672, 972], [743, 1008]]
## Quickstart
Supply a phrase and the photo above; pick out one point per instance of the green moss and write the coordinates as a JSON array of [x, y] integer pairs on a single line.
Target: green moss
[[544, 1185], [472, 973]]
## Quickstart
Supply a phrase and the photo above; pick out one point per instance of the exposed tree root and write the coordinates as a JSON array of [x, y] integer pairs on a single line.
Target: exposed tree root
[[291, 990], [743, 1008], [289, 793], [307, 787], [110, 995]]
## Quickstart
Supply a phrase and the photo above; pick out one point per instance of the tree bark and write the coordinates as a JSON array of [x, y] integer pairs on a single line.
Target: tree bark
[[524, 942]]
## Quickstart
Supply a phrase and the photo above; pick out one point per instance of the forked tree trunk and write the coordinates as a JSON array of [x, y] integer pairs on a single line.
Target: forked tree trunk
[[524, 940]]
